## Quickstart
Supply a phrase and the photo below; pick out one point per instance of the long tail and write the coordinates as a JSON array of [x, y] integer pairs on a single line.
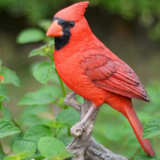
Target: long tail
[[138, 130]]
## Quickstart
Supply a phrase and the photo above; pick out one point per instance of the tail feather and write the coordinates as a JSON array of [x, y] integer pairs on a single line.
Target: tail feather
[[138, 130]]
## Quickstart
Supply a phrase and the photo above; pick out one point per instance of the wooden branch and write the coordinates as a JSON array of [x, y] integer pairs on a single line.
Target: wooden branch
[[84, 146]]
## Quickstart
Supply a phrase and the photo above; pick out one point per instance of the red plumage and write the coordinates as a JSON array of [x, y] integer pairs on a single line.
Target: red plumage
[[90, 69]]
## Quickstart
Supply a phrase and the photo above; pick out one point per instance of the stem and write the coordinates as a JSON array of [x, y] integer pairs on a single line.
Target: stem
[[1, 106], [16, 124], [55, 135], [54, 103], [62, 85], [57, 132], [51, 57], [69, 133]]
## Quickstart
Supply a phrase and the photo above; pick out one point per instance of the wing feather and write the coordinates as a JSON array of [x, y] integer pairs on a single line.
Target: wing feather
[[114, 76]]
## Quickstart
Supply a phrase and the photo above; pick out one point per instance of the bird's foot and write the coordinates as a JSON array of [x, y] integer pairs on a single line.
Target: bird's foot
[[88, 120]]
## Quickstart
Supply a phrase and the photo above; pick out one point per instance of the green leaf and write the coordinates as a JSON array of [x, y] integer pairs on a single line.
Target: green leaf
[[10, 77], [3, 93], [34, 66], [12, 157], [46, 50], [54, 124], [36, 98], [61, 156], [43, 72], [145, 157], [2, 97], [68, 117], [50, 146], [64, 136], [52, 90], [53, 148], [7, 128], [40, 51], [54, 78], [20, 156], [6, 115], [152, 127], [24, 156], [32, 120], [3, 90], [24, 147], [36, 132], [31, 115], [30, 35], [34, 110]]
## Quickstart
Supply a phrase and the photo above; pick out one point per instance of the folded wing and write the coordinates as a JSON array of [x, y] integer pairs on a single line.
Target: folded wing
[[114, 76]]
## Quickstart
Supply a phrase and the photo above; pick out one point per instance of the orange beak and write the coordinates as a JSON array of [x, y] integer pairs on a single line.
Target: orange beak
[[55, 30]]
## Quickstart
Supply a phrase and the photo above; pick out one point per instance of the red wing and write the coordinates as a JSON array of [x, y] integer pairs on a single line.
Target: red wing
[[113, 76]]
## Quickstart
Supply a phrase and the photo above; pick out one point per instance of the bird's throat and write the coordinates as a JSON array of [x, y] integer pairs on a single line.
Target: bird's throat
[[61, 42]]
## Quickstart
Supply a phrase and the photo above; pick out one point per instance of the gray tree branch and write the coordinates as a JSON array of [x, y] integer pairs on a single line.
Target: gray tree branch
[[83, 145]]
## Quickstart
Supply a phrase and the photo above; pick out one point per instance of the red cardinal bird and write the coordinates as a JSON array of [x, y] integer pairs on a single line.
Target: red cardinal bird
[[90, 69]]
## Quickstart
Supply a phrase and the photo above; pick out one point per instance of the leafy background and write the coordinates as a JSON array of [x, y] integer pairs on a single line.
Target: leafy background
[[130, 28]]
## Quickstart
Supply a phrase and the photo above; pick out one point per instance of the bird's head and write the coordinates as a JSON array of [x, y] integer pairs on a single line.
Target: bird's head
[[67, 22]]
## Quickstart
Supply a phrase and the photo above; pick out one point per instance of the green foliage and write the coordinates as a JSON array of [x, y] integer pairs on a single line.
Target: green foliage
[[7, 128], [31, 114], [2, 97], [24, 147], [36, 98], [52, 148], [6, 115], [34, 133], [155, 32], [41, 126], [13, 157], [46, 50], [44, 72], [152, 127], [145, 11], [3, 93], [68, 117], [26, 36], [23, 150], [10, 77]]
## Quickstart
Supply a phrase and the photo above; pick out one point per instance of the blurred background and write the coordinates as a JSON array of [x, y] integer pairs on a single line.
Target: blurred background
[[129, 28]]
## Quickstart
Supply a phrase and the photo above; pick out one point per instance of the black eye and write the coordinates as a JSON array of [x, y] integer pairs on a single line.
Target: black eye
[[71, 24]]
